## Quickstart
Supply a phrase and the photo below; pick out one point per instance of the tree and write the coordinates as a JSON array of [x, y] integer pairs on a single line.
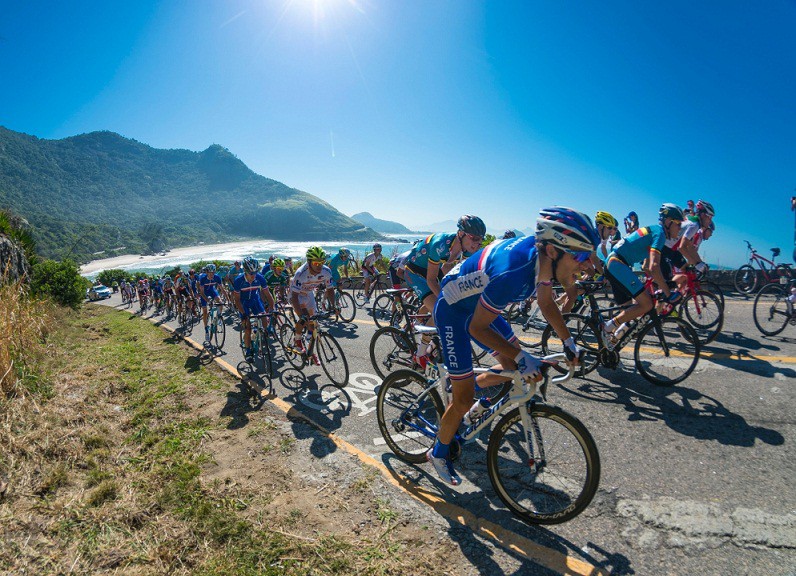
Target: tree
[[60, 281]]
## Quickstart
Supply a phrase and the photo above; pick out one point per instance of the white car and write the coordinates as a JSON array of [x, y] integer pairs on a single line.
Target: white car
[[99, 292]]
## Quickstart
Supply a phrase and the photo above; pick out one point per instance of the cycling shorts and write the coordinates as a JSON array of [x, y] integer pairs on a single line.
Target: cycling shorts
[[395, 279], [211, 293], [307, 302], [418, 284], [624, 281], [453, 326], [368, 274], [251, 306]]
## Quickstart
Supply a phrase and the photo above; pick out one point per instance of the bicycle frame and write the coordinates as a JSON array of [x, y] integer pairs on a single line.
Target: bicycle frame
[[761, 261]]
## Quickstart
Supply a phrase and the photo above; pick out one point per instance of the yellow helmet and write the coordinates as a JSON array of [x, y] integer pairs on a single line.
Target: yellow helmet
[[605, 219]]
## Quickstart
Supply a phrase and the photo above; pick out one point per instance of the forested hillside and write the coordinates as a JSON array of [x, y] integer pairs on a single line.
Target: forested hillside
[[101, 192]]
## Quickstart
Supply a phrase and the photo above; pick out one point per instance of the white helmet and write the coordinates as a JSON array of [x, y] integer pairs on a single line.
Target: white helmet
[[567, 228]]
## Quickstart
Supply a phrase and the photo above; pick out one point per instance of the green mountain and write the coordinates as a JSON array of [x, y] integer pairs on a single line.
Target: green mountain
[[100, 194], [383, 226]]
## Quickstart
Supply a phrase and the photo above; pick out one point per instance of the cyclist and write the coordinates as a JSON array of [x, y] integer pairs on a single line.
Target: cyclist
[[181, 290], [289, 266], [606, 226], [398, 268], [207, 290], [695, 229], [143, 291], [229, 278], [277, 279], [432, 258], [509, 234], [369, 271], [249, 291], [645, 244], [310, 275], [342, 258], [478, 289], [167, 285]]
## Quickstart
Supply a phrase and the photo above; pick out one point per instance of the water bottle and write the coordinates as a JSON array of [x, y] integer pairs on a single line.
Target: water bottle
[[481, 405]]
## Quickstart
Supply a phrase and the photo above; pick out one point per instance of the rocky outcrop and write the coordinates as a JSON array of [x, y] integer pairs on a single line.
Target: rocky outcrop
[[13, 263]]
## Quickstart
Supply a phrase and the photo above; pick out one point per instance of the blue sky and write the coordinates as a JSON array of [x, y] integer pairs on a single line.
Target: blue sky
[[419, 111]]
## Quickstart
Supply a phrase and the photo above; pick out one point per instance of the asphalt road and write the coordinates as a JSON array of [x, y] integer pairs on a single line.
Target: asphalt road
[[699, 477]]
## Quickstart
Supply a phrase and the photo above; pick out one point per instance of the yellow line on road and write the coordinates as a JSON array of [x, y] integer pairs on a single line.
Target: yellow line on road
[[547, 557]]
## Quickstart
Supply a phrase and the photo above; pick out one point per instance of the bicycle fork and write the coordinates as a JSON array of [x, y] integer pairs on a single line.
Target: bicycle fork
[[533, 435]]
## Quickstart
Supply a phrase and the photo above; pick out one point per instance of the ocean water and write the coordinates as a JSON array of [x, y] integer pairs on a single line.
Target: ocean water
[[260, 249]]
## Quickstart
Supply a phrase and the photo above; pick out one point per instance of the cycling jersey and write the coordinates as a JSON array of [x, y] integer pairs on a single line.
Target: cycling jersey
[[157, 287], [167, 284], [273, 280], [305, 282], [233, 273], [399, 260], [207, 287], [435, 249], [495, 276], [334, 263], [635, 248]]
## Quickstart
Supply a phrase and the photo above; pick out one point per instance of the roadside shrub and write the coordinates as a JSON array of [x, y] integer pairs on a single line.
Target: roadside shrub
[[60, 281], [108, 277]]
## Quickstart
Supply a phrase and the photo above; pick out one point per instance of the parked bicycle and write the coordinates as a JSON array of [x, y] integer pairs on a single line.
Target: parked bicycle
[[747, 279], [542, 461], [317, 347], [666, 349], [774, 308]]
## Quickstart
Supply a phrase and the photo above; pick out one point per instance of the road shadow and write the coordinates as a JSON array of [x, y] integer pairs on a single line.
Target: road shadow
[[684, 410], [238, 406], [473, 515]]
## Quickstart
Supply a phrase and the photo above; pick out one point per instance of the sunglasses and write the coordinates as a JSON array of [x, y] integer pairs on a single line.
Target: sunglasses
[[578, 255], [317, 261], [474, 238]]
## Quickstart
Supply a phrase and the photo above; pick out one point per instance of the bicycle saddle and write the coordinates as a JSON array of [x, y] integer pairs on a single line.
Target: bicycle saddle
[[775, 252]]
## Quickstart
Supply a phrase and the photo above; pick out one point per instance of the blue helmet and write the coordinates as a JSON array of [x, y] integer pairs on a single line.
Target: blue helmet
[[567, 228], [211, 268], [250, 265]]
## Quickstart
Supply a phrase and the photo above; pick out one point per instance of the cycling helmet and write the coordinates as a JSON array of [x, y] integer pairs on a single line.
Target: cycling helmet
[[509, 234], [669, 210], [377, 246], [632, 214], [210, 268], [344, 252], [278, 263], [566, 228], [703, 207], [606, 219], [315, 253], [191, 271], [472, 225], [237, 263], [250, 265]]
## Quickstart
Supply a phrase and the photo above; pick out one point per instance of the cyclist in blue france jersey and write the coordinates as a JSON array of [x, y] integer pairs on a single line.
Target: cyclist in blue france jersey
[[645, 244], [342, 258], [207, 288], [249, 291], [478, 289], [432, 258]]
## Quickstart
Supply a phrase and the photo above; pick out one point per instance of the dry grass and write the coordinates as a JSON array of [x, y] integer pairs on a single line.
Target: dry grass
[[25, 323]]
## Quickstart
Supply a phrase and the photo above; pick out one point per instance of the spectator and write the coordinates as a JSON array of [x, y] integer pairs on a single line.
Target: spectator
[[689, 208], [631, 223]]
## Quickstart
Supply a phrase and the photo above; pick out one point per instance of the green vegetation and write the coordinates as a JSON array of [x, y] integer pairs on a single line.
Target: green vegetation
[[116, 452], [60, 281], [98, 195]]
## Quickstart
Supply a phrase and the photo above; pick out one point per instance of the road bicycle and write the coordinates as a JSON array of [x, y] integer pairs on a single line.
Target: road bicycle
[[260, 353], [542, 461], [377, 287], [316, 347], [218, 328], [392, 307], [666, 349], [344, 310], [773, 310], [747, 279], [404, 345]]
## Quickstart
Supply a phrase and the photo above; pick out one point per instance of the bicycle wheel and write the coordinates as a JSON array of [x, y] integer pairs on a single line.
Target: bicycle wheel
[[667, 355], [511, 312], [346, 309], [391, 349], [532, 328], [359, 295], [408, 423], [332, 358], [745, 279], [557, 478], [218, 331], [770, 310], [782, 271], [264, 365], [584, 332], [704, 312], [382, 310], [286, 334], [713, 288]]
